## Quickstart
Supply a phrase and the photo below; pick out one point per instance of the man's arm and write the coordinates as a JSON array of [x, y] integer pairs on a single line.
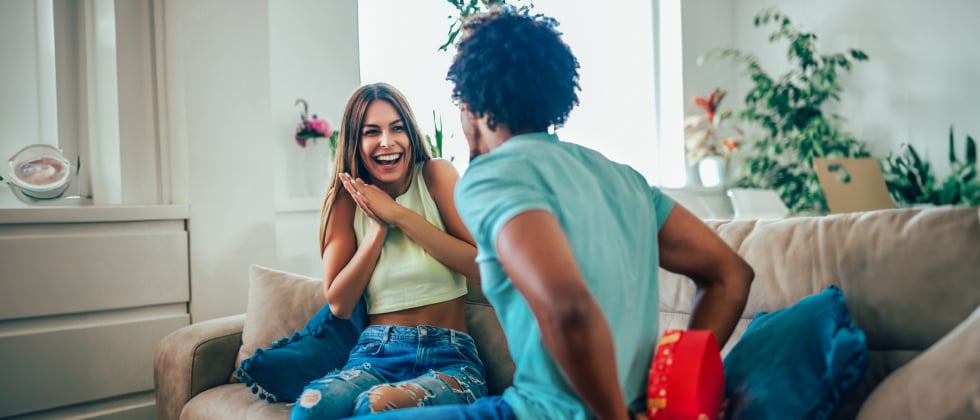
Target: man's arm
[[536, 255], [722, 277]]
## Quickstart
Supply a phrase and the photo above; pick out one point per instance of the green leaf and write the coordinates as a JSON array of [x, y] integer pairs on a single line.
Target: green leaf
[[971, 152], [858, 54], [952, 147]]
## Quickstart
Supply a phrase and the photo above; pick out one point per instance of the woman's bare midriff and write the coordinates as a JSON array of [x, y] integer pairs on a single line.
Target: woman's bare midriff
[[450, 314]]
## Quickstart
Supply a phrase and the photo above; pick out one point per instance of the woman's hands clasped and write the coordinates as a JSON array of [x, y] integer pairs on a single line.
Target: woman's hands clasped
[[374, 202]]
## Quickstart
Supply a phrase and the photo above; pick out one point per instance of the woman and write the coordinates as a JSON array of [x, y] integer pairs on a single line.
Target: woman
[[390, 232]]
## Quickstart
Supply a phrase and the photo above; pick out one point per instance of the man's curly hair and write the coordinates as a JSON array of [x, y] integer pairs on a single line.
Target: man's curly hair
[[515, 68]]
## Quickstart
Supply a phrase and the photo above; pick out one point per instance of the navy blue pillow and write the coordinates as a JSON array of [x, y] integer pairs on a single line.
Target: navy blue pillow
[[797, 362], [280, 372]]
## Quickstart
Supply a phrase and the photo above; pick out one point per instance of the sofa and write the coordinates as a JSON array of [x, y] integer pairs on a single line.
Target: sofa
[[911, 279]]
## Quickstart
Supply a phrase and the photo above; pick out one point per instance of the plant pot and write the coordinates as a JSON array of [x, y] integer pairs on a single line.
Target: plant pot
[[712, 171], [318, 166]]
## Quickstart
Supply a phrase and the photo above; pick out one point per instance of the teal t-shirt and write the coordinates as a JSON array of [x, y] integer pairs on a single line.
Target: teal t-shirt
[[611, 217]]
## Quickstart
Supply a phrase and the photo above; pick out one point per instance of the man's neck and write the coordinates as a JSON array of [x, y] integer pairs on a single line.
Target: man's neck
[[500, 135]]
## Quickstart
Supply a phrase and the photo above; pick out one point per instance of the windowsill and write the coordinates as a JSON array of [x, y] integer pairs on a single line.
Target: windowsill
[[704, 202], [694, 189], [92, 213]]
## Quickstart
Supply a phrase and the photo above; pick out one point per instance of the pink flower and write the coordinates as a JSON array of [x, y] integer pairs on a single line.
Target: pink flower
[[320, 126], [311, 128]]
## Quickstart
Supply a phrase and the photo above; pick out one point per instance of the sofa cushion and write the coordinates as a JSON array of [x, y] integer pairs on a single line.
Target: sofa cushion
[[289, 336], [796, 362], [281, 371], [491, 346], [232, 401], [279, 303], [942, 383]]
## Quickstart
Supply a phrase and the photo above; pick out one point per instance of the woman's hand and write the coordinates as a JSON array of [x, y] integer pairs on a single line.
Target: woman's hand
[[374, 202]]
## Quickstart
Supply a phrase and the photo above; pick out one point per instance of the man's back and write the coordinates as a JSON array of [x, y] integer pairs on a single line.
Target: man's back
[[611, 218]]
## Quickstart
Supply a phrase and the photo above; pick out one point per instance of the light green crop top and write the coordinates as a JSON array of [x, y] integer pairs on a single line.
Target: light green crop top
[[406, 275]]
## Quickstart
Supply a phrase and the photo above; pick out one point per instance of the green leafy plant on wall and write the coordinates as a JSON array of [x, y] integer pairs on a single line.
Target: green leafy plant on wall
[[466, 8], [788, 108], [911, 180]]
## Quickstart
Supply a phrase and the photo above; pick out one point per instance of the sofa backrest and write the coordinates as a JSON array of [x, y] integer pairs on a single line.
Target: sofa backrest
[[909, 276]]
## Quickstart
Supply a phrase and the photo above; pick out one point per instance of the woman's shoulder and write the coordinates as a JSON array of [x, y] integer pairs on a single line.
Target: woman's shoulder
[[438, 171], [343, 206], [438, 166]]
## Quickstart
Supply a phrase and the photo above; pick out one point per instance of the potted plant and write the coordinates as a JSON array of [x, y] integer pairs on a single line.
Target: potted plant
[[787, 110], [710, 139], [911, 180], [466, 8]]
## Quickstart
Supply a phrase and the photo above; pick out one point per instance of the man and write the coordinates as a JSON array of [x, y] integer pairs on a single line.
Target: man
[[569, 243]]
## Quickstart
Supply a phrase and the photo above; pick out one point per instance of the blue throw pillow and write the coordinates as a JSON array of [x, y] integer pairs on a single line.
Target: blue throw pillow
[[280, 372], [797, 362]]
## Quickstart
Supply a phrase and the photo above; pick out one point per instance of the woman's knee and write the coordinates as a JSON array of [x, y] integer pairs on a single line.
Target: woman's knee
[[465, 379], [434, 388], [332, 396], [388, 397]]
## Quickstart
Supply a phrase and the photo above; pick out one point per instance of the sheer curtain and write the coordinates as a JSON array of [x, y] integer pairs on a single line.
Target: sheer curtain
[[617, 48]]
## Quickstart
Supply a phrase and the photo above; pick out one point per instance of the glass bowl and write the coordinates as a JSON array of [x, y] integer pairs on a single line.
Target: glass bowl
[[40, 172]]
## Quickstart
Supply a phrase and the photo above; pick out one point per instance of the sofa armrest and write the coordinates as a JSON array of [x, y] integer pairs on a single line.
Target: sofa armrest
[[193, 359]]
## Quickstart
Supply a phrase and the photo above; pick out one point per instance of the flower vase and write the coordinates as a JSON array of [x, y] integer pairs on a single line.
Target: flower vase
[[712, 171], [318, 165]]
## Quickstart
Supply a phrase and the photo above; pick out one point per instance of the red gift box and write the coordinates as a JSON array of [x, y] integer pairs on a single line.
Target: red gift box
[[687, 380]]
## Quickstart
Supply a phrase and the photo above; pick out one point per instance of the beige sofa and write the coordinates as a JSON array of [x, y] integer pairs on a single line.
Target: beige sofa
[[910, 277]]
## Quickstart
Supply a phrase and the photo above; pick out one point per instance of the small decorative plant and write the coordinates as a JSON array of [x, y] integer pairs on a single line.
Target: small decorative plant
[[435, 146], [911, 180], [710, 134], [435, 141], [312, 127], [788, 109], [466, 8]]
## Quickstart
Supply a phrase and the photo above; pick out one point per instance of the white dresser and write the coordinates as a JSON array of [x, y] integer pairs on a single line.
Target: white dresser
[[86, 293]]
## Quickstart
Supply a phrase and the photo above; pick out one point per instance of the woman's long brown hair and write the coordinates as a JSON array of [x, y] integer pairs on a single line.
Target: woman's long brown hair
[[348, 153]]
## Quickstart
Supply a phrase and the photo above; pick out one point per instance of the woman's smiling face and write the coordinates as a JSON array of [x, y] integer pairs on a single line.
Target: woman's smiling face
[[385, 147]]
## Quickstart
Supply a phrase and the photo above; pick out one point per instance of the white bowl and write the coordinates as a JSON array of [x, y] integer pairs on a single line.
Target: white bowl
[[40, 172]]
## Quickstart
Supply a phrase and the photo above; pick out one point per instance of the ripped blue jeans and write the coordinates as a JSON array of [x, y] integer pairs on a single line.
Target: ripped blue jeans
[[394, 367]]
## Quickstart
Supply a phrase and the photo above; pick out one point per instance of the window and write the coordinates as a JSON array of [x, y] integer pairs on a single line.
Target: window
[[617, 49], [82, 80]]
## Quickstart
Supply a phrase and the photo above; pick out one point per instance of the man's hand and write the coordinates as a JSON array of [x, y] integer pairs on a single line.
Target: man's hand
[[722, 277]]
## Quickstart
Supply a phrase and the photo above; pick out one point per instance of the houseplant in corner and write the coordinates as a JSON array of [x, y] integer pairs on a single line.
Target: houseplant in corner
[[788, 111], [911, 180]]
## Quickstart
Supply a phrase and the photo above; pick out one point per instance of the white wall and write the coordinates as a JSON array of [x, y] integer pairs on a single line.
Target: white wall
[[218, 86], [704, 26], [313, 55], [921, 78], [707, 25], [234, 71]]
